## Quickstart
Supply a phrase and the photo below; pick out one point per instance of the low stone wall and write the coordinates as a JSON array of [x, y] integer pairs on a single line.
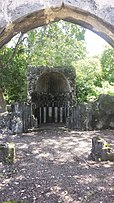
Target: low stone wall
[[16, 120], [93, 116], [11, 121]]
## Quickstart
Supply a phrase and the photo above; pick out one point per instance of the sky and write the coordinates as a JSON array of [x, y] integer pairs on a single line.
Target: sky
[[94, 43]]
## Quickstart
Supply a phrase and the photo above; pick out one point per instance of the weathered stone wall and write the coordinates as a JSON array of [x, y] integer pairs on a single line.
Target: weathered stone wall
[[17, 119], [22, 15], [93, 116], [102, 113], [5, 120]]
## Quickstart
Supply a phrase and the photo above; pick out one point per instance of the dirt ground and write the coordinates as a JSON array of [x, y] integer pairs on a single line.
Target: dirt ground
[[52, 166]]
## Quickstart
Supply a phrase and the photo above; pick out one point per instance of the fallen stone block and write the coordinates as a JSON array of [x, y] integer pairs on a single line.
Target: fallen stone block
[[7, 153], [101, 150]]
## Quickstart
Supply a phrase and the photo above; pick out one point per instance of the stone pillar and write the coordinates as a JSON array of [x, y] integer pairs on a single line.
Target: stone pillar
[[44, 114], [56, 113]]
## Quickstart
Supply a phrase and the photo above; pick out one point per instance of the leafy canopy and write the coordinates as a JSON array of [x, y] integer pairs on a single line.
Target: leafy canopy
[[107, 63], [56, 44]]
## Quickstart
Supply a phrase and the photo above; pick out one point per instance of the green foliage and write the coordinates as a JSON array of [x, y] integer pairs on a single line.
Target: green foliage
[[56, 44], [88, 72], [106, 88], [107, 145], [107, 68], [13, 75], [95, 76], [107, 63]]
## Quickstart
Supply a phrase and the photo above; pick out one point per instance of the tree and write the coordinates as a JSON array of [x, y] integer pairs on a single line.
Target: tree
[[56, 44], [95, 76], [88, 78], [13, 74], [107, 63]]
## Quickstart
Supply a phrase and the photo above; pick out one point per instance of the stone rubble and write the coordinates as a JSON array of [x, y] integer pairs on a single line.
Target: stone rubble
[[101, 150]]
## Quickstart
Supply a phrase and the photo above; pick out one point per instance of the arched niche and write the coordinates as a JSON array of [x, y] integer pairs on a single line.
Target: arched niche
[[52, 89], [51, 93], [53, 83]]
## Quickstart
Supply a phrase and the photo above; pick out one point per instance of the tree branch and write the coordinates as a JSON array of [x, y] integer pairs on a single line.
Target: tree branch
[[14, 52]]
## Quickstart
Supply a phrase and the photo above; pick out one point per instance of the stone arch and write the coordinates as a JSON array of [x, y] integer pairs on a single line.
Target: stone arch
[[21, 16]]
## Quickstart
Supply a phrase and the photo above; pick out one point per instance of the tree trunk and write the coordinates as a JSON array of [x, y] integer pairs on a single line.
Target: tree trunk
[[2, 102]]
